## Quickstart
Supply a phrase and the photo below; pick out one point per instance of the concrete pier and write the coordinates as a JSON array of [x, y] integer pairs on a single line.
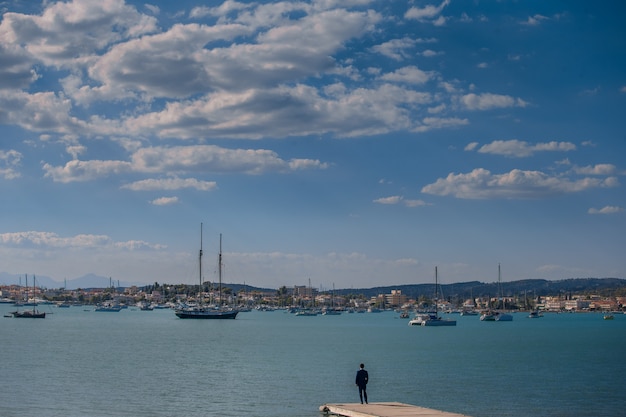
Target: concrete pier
[[383, 409]]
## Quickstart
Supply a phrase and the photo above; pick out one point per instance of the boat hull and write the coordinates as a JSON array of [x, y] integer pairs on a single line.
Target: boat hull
[[438, 323], [206, 314], [29, 315]]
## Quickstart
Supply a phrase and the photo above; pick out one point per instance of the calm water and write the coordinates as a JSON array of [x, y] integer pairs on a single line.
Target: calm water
[[274, 364]]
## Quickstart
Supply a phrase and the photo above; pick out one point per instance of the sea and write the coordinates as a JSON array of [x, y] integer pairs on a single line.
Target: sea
[[77, 362]]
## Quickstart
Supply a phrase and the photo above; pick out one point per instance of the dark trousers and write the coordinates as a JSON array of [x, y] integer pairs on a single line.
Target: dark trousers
[[362, 393]]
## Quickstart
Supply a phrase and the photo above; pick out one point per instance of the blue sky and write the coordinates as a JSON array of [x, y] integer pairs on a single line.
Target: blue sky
[[356, 143]]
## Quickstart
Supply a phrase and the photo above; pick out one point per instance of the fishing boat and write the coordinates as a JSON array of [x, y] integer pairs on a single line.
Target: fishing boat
[[535, 314], [30, 314], [201, 311], [432, 319]]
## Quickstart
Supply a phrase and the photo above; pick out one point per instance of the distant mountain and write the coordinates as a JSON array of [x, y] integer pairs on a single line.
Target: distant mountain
[[86, 281], [94, 281], [16, 279]]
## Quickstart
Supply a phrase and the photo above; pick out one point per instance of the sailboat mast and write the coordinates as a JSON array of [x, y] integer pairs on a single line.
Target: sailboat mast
[[200, 260], [436, 294], [500, 289], [219, 271]]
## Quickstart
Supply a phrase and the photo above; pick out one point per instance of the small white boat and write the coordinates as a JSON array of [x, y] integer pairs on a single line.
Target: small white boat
[[488, 316], [418, 319], [469, 313], [432, 319]]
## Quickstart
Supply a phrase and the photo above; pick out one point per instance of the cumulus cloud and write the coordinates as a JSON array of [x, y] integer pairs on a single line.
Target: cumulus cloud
[[248, 75], [516, 184], [170, 184], [180, 160], [488, 101], [598, 169], [410, 75], [67, 33], [397, 49], [209, 158], [9, 164], [52, 240], [428, 13], [76, 170], [520, 149]]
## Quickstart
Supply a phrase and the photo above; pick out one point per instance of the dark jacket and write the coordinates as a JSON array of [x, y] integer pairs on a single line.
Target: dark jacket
[[361, 378]]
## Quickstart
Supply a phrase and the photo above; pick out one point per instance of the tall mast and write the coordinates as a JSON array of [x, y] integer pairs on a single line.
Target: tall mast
[[500, 289], [200, 259], [219, 270], [436, 294]]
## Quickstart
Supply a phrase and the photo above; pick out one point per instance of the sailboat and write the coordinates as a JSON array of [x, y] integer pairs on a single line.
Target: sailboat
[[497, 315], [501, 315], [432, 319], [201, 311], [332, 311], [30, 314]]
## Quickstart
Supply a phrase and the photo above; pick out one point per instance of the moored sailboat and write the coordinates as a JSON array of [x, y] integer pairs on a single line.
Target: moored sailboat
[[432, 319], [30, 314], [497, 315], [201, 311]]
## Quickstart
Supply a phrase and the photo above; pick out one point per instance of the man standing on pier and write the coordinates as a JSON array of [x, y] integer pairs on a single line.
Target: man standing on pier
[[361, 381]]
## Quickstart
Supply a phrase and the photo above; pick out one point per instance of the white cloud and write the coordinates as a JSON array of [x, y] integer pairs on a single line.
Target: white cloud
[[76, 170], [164, 201], [389, 200], [415, 203], [177, 160], [397, 199], [516, 184], [427, 13], [170, 184], [38, 112], [68, 33], [396, 48], [489, 101], [520, 149], [9, 163], [534, 20], [429, 123], [209, 158], [83, 241], [606, 210], [410, 75], [471, 146], [599, 169]]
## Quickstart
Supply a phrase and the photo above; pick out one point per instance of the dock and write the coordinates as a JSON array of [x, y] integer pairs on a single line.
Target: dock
[[383, 409]]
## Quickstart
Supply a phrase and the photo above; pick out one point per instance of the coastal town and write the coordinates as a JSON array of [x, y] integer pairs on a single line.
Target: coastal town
[[170, 296]]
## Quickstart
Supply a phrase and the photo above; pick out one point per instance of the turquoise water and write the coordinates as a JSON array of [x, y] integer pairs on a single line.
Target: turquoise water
[[275, 364]]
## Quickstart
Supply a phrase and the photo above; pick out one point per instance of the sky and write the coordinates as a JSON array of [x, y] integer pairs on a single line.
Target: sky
[[352, 143]]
